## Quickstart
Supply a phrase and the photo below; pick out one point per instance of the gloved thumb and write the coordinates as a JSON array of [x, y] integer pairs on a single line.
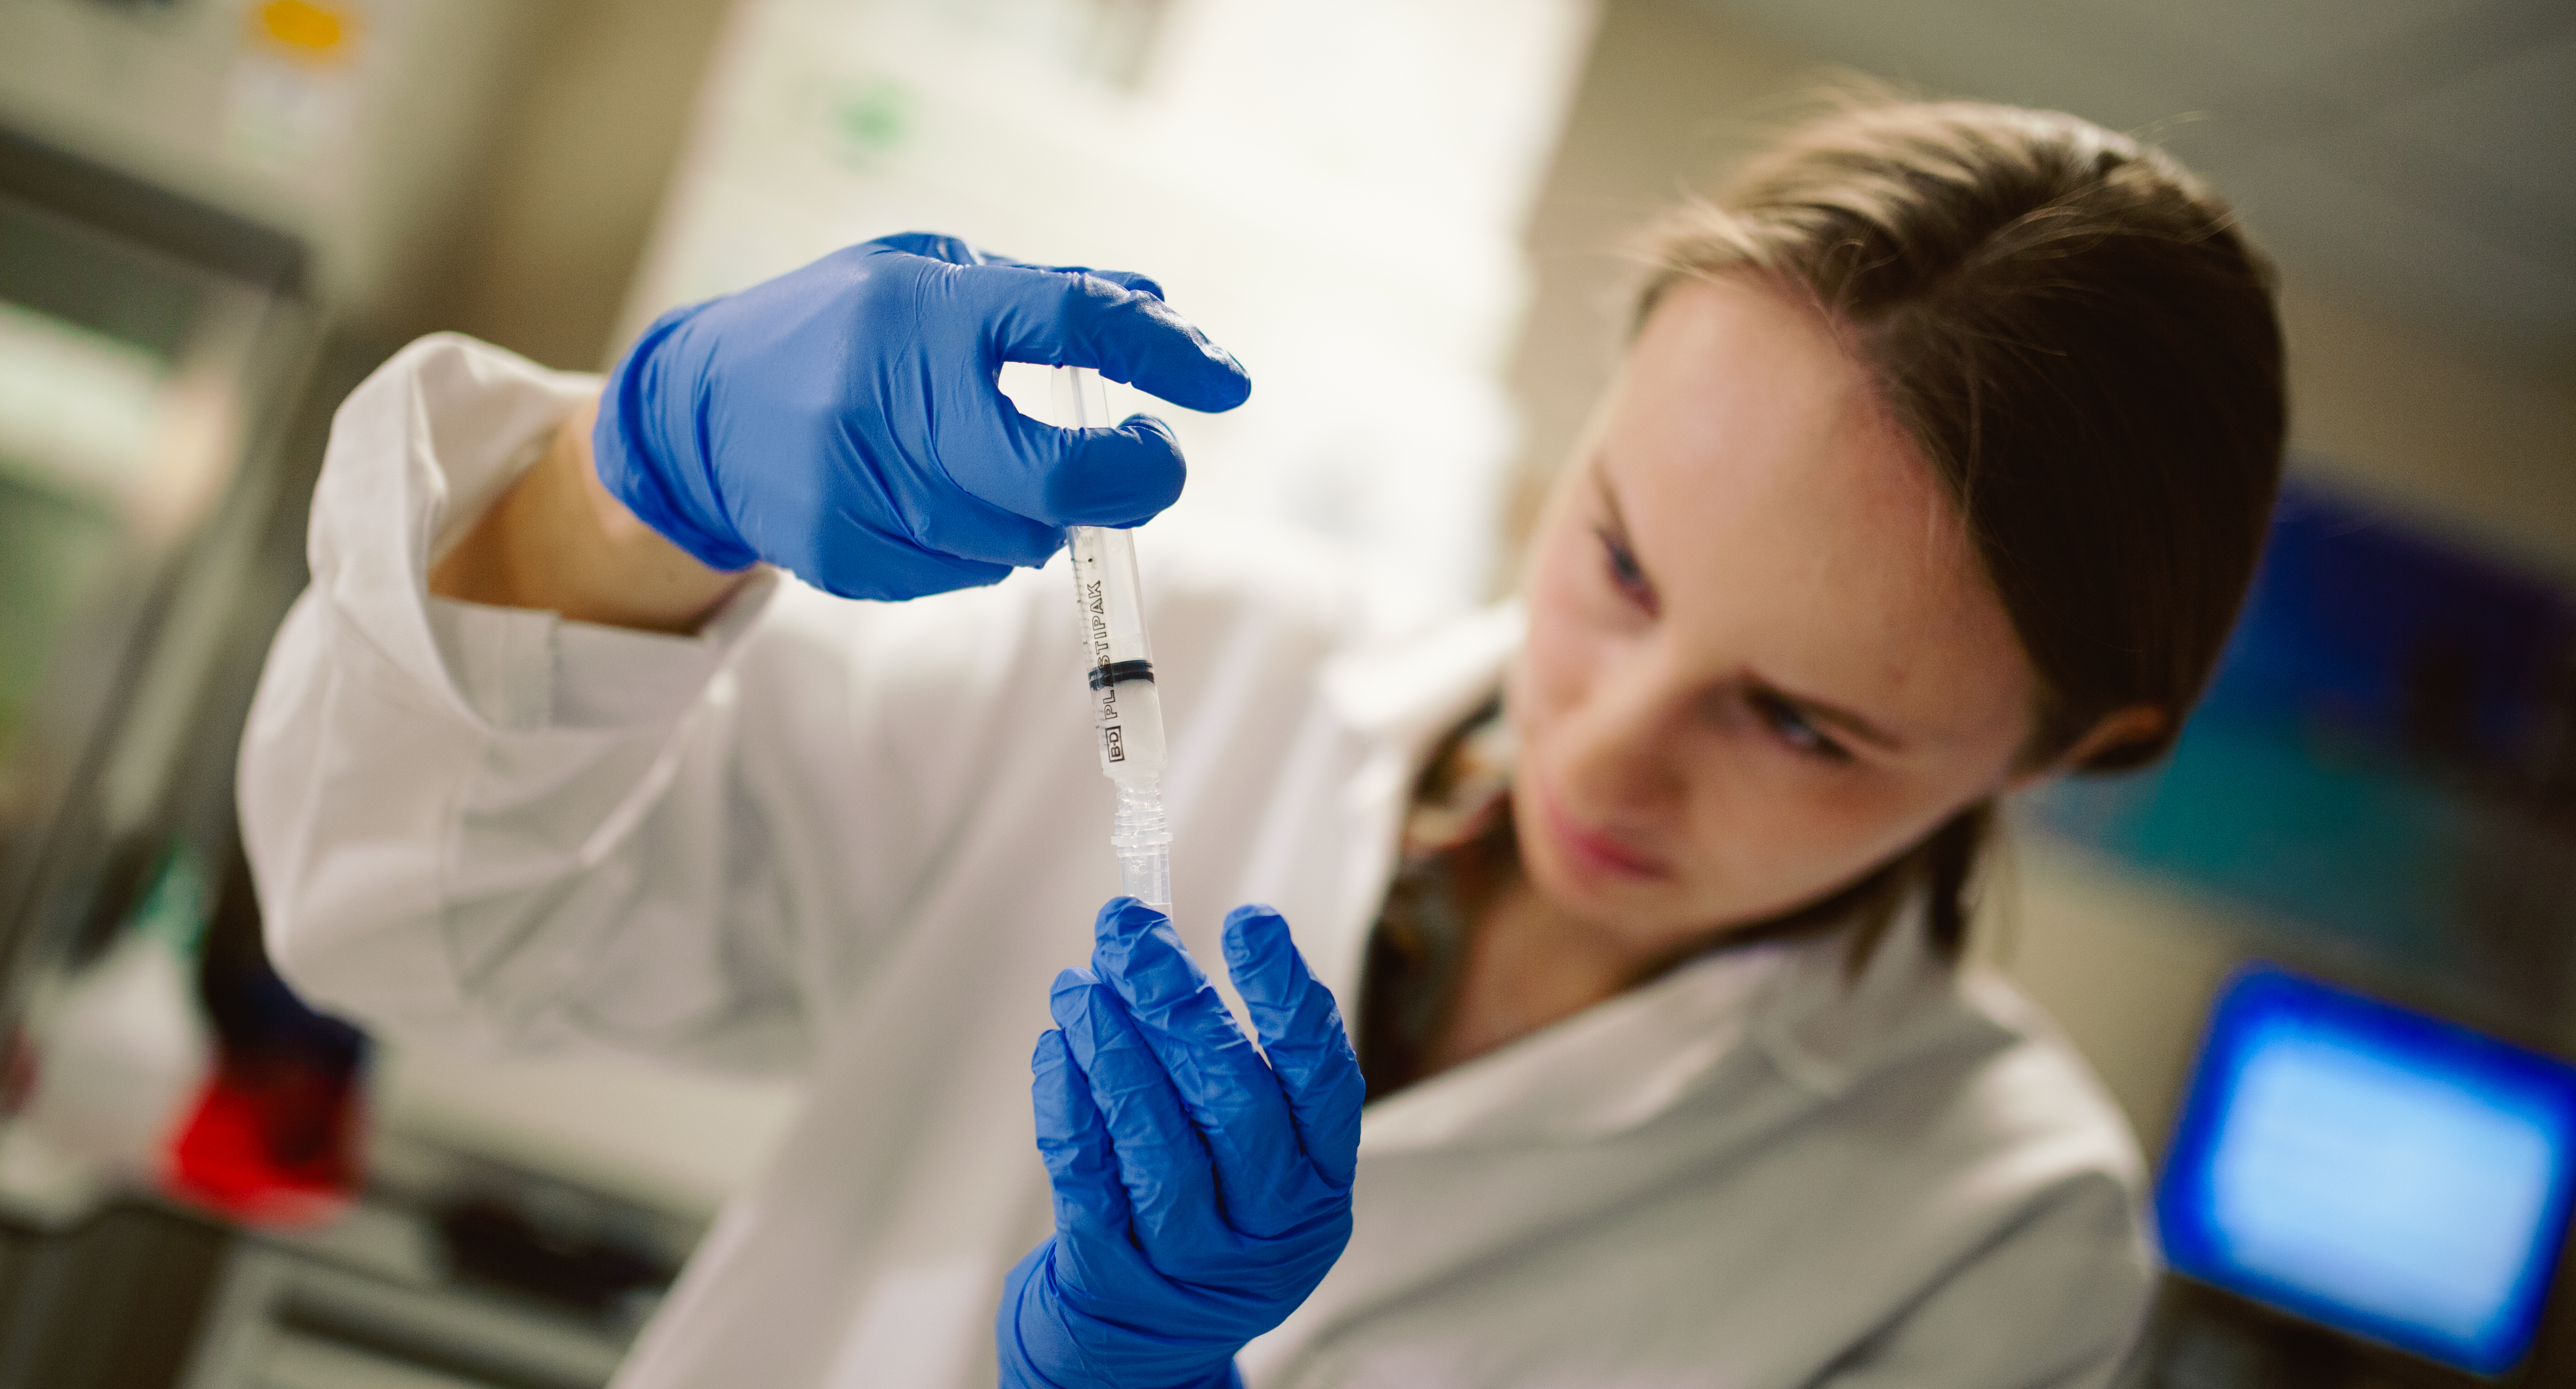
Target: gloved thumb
[[1074, 1143], [1302, 1035]]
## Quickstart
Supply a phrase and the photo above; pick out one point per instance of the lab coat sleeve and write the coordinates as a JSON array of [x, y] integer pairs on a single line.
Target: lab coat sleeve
[[487, 826], [2053, 1303]]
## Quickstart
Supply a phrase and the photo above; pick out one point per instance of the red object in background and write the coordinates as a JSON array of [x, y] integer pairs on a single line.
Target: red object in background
[[279, 1136], [275, 1140]]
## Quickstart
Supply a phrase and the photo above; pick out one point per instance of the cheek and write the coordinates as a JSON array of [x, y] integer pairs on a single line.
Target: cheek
[[1767, 830], [1766, 843], [1563, 646]]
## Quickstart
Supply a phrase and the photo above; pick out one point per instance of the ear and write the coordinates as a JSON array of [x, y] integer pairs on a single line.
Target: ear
[[2134, 724]]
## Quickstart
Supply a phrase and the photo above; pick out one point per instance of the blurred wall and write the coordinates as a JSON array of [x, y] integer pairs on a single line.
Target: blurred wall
[[1666, 100], [2466, 438], [2473, 439], [587, 140]]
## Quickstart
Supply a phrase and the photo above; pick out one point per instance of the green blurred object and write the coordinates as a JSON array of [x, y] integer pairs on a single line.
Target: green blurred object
[[52, 550], [174, 908], [871, 118]]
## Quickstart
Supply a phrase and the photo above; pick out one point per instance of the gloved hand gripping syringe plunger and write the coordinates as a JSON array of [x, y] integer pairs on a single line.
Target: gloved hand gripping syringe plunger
[[1126, 706]]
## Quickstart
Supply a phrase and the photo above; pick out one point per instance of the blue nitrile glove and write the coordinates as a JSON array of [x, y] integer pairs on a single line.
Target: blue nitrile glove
[[1200, 1192], [843, 423]]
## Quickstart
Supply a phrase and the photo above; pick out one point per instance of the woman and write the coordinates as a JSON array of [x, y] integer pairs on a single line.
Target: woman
[[1938, 465]]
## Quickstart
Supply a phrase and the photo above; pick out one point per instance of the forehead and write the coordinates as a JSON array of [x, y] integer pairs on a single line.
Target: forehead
[[1790, 523]]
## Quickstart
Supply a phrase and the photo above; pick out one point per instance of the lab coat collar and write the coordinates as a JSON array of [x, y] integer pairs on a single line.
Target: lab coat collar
[[1610, 1068], [1398, 699], [1824, 1028], [1630, 1060], [1405, 695]]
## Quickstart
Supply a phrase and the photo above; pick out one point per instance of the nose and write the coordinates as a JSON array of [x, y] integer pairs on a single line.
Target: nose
[[1619, 749]]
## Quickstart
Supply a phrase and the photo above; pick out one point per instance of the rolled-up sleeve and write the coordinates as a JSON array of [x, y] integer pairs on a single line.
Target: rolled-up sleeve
[[493, 826]]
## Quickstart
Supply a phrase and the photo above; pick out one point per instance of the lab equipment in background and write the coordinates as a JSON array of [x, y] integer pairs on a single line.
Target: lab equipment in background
[[152, 352], [1126, 708], [122, 1049], [483, 1278], [175, 326], [279, 1135], [2374, 1170], [2382, 768], [350, 125]]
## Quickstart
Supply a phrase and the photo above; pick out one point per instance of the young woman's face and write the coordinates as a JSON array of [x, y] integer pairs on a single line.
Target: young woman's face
[[1762, 656]]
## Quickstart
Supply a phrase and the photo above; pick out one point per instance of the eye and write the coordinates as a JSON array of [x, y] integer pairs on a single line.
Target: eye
[[1626, 575], [1794, 728]]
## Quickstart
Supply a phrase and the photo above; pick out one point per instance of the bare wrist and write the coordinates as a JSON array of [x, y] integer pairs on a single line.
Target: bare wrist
[[559, 541]]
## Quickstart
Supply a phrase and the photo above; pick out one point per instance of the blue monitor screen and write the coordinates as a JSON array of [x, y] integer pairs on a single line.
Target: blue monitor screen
[[2372, 1169]]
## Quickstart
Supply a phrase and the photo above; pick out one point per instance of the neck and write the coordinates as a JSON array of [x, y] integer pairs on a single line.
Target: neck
[[1528, 964]]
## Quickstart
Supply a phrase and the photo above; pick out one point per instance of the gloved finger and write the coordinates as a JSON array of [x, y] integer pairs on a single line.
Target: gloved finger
[[957, 251], [1124, 279], [969, 527], [1227, 1088], [1301, 1031], [1088, 321], [926, 532], [1162, 1163], [1073, 1139], [1078, 477], [922, 539], [939, 246], [893, 567]]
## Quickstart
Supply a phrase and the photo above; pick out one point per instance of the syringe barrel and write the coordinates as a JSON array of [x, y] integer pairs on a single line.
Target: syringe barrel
[[1126, 709], [1125, 706], [1112, 597]]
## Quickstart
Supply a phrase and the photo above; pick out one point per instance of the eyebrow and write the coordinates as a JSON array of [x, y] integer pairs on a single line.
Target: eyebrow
[[1816, 710]]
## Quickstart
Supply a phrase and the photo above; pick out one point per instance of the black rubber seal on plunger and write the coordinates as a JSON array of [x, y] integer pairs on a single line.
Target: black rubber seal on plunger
[[1120, 672]]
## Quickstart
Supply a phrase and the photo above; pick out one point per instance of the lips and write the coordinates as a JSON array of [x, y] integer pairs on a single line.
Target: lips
[[1594, 854]]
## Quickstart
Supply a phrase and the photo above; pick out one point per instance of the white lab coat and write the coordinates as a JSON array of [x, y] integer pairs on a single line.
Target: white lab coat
[[856, 840]]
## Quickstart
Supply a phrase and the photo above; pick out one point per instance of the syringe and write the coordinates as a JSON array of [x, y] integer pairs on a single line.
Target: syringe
[[1125, 707]]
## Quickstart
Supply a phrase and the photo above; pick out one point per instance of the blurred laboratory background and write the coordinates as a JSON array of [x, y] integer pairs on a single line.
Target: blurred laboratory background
[[2325, 958]]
